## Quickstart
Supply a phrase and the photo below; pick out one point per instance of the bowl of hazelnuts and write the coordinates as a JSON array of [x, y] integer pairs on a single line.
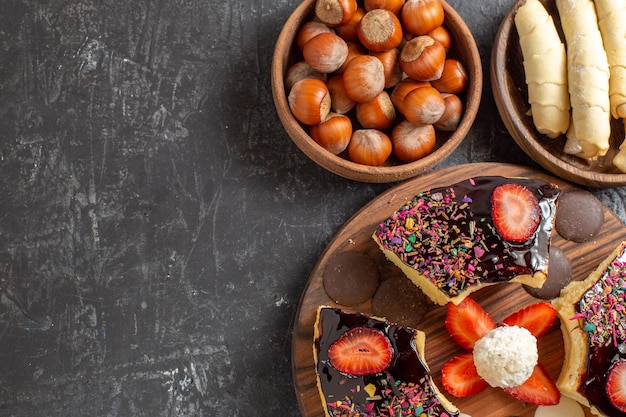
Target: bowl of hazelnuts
[[376, 90]]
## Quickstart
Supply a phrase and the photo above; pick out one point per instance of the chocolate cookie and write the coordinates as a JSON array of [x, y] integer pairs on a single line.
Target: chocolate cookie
[[400, 301], [351, 278], [579, 215], [559, 275]]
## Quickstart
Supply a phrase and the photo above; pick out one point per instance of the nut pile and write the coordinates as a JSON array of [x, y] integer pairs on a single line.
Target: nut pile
[[376, 79]]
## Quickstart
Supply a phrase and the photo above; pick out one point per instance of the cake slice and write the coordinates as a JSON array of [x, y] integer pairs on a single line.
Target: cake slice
[[453, 240], [593, 322], [368, 367]]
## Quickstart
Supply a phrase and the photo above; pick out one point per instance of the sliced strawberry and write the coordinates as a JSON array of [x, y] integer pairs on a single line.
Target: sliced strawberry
[[515, 212], [467, 322], [361, 351], [536, 318], [539, 389], [616, 385], [460, 378]]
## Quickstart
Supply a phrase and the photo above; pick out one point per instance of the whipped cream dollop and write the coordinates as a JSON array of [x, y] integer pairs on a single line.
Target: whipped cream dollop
[[506, 356]]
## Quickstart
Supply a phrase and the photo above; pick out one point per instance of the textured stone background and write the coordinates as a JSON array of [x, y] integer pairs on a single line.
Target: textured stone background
[[157, 225]]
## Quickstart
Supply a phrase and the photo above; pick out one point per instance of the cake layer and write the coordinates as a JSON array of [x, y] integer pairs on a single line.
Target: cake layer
[[446, 241]]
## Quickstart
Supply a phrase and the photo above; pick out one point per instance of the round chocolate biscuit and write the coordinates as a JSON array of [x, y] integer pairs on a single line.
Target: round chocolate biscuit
[[351, 278], [559, 275], [579, 215], [399, 301]]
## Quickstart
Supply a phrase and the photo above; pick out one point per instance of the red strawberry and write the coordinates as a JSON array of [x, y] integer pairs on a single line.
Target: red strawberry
[[616, 385], [515, 212], [536, 318], [460, 378], [539, 389], [361, 351], [467, 322]]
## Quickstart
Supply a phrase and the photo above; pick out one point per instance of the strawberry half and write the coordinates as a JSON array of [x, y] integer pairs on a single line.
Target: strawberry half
[[515, 212], [467, 322], [460, 378], [361, 351], [536, 318], [616, 385], [539, 389]]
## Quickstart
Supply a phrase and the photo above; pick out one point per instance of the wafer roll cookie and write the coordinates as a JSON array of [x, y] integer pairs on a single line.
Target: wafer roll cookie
[[612, 23], [553, 118], [588, 77], [545, 66]]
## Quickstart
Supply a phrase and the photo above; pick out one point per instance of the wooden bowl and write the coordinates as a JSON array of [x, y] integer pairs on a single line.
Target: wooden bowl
[[511, 97], [286, 53]]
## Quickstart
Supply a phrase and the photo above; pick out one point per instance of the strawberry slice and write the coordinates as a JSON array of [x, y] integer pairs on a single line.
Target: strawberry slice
[[539, 389], [515, 212], [616, 385], [361, 351], [460, 378], [536, 318], [467, 322]]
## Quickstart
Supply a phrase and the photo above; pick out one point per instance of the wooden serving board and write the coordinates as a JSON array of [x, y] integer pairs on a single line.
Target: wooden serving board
[[498, 300]]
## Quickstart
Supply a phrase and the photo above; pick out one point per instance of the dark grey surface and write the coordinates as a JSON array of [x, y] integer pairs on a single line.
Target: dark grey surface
[[157, 225]]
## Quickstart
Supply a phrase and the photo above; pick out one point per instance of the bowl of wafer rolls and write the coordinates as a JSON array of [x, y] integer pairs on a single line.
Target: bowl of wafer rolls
[[558, 73]]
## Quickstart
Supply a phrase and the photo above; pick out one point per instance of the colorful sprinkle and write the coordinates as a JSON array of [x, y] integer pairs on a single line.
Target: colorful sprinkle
[[400, 399]]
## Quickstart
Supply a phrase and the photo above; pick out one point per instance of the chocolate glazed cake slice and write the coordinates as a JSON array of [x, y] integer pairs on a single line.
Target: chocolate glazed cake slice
[[453, 240], [593, 322], [372, 368]]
